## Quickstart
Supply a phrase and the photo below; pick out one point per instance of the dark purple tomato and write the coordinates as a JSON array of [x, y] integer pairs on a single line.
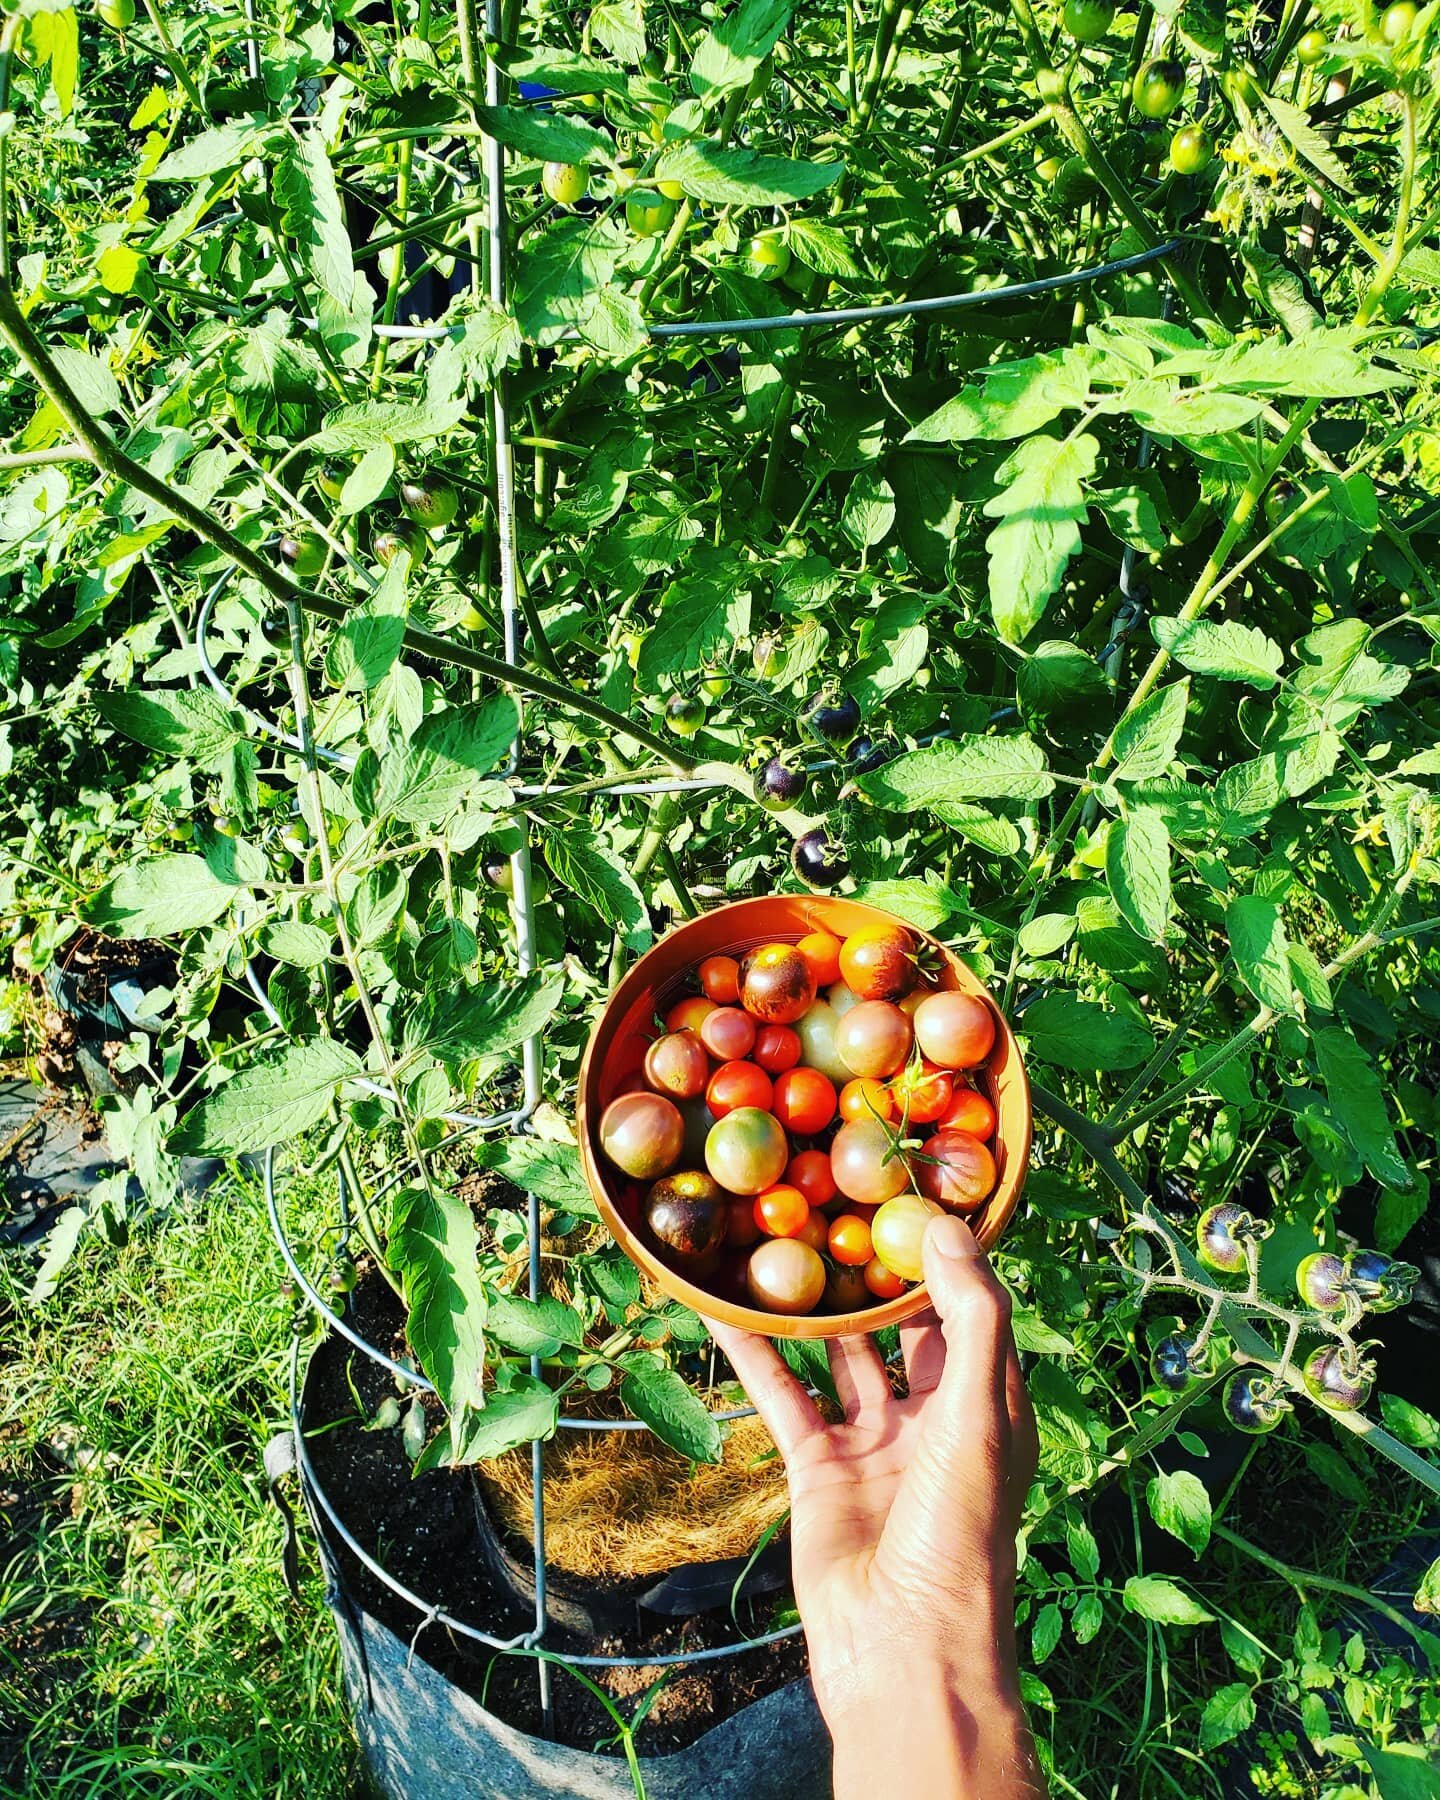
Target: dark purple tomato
[[835, 717], [1175, 1362], [818, 859], [1220, 1234], [776, 984], [1338, 1378], [688, 1213], [643, 1135], [1320, 1281], [1253, 1403], [845, 1289], [1380, 1282], [779, 784]]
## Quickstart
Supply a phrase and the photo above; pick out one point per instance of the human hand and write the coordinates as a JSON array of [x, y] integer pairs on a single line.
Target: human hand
[[903, 1516]]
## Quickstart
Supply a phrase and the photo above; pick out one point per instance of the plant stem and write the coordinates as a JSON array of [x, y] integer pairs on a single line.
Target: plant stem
[[172, 56], [1301, 1579]]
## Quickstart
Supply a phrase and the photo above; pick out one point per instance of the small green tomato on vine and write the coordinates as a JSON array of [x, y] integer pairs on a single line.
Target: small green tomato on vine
[[1222, 1234], [1158, 88], [684, 714], [119, 15], [430, 503], [304, 550], [565, 183]]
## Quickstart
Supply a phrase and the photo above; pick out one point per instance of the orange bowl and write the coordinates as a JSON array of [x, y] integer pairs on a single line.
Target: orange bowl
[[661, 977]]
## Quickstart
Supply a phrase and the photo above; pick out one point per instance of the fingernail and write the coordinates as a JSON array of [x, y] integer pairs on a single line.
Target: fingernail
[[950, 1236]]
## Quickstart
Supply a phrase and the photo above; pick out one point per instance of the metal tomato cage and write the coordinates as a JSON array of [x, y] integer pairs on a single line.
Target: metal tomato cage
[[517, 1119]]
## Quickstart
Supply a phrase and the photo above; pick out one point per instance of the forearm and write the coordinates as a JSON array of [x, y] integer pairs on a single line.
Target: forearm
[[933, 1727]]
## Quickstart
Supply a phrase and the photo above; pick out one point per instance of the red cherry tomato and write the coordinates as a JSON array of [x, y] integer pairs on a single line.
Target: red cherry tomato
[[874, 1039], [804, 1101], [955, 1169], [720, 978], [849, 1240], [969, 1110], [878, 963], [864, 1099], [815, 1231], [822, 952], [741, 1231], [883, 1282], [777, 1048], [688, 1014], [955, 1030], [922, 1092], [728, 1033], [781, 1211], [737, 1084], [677, 1065], [809, 1170], [776, 984]]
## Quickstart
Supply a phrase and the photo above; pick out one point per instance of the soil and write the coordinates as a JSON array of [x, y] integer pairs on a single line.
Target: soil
[[85, 966], [424, 1532]]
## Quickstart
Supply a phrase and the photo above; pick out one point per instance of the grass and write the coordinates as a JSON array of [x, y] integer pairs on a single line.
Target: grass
[[148, 1645]]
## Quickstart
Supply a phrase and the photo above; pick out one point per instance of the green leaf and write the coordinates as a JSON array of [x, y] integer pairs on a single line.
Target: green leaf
[[271, 1102], [486, 343], [1327, 1465], [869, 509], [364, 648], [1082, 1549], [1131, 515], [89, 377], [1046, 934], [581, 863], [161, 896], [1078, 1034], [1229, 1711], [928, 904], [1137, 872], [296, 943], [547, 136], [534, 1327], [1411, 1424], [1180, 1504], [1059, 677], [671, 1409], [541, 1166], [222, 147], [1034, 1335], [371, 422], [1041, 507], [1398, 1213], [1308, 976], [1426, 1598], [378, 904], [1261, 950], [64, 59], [701, 614], [1155, 1598], [1307, 141], [189, 722], [1357, 1101], [731, 52], [894, 640], [1087, 1618], [431, 1246], [1229, 651], [620, 27], [457, 1025], [1242, 1648], [743, 177], [519, 1414], [1400, 1776], [1146, 741], [566, 72], [972, 767], [821, 248], [1014, 400], [313, 219], [1045, 1633], [368, 480], [448, 760]]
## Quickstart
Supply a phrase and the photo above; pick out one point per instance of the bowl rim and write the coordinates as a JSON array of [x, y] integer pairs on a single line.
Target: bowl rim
[[1010, 1083]]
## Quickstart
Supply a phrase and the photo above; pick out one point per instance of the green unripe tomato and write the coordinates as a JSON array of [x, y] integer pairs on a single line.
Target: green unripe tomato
[[768, 656], [648, 213], [183, 830], [684, 714], [387, 545], [1311, 48], [304, 550], [1159, 87], [119, 15], [1396, 22], [343, 1274], [430, 504], [1280, 496], [565, 183], [1190, 150], [330, 479], [1075, 184], [225, 826], [715, 685], [672, 190], [472, 619], [767, 257], [1048, 169], [1087, 21]]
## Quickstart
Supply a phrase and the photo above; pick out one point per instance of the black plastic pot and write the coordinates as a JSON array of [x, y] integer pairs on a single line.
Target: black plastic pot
[[105, 1005], [426, 1738]]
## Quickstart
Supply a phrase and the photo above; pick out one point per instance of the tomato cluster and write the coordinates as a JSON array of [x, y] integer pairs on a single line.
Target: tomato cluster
[[771, 1128]]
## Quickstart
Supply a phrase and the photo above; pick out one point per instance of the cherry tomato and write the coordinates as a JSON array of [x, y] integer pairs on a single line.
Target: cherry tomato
[[804, 1101], [119, 15], [1190, 150], [1221, 1234], [878, 962], [822, 952], [777, 1048], [767, 257], [955, 1169], [841, 998], [884, 1283], [969, 1110], [776, 985], [809, 1170], [815, 1231], [1087, 21], [874, 1039], [685, 714], [1321, 1281], [728, 1033], [648, 213], [303, 549], [861, 1098], [677, 1065], [720, 979], [741, 1231], [737, 1084], [909, 1003], [816, 1031], [1312, 48], [781, 1211], [1339, 1378], [746, 1151], [862, 1163], [849, 1240], [688, 1213], [785, 1276], [1397, 21], [565, 183], [957, 1031], [1253, 1403], [845, 1289], [689, 1014], [643, 1134], [431, 504], [819, 860], [898, 1230], [922, 1092], [1158, 88]]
